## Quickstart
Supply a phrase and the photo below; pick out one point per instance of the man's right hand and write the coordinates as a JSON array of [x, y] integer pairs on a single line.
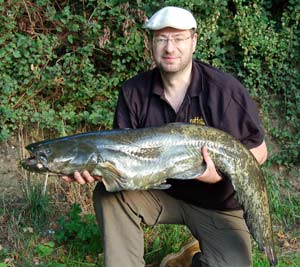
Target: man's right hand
[[81, 178]]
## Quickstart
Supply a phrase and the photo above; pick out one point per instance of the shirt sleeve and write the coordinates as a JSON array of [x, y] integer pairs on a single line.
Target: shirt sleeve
[[124, 117], [241, 119]]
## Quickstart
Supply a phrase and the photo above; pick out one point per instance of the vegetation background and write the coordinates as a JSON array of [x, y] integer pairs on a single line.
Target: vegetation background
[[61, 65]]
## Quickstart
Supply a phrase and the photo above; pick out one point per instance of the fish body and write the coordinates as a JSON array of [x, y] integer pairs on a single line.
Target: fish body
[[140, 159]]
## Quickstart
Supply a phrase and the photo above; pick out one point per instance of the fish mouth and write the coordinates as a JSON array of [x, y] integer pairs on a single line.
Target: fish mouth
[[33, 165], [270, 252]]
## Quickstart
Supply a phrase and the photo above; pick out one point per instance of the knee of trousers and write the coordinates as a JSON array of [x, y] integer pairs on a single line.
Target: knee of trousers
[[100, 196], [107, 205], [110, 204], [138, 205]]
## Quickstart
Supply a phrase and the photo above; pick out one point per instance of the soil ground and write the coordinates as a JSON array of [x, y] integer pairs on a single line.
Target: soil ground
[[9, 172]]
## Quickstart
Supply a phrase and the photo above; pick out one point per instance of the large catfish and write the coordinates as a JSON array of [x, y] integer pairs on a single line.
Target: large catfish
[[135, 159]]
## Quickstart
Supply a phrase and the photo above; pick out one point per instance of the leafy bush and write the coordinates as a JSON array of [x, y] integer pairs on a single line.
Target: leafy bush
[[61, 63], [79, 231]]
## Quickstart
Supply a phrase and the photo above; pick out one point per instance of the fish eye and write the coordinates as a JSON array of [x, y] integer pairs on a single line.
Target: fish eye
[[44, 154]]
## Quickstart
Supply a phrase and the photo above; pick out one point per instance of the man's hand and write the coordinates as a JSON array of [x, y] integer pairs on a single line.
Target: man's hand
[[210, 175], [82, 178], [260, 152]]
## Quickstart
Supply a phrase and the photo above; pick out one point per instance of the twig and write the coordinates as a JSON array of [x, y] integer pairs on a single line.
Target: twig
[[27, 12], [45, 185]]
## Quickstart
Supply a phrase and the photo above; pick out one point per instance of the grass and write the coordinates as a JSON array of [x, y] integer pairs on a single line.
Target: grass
[[28, 223], [38, 206], [284, 196], [259, 260]]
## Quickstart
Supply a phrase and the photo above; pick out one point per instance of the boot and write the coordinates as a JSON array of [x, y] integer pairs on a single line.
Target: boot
[[183, 258]]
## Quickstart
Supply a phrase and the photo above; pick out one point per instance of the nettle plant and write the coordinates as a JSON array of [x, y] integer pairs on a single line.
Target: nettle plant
[[61, 64]]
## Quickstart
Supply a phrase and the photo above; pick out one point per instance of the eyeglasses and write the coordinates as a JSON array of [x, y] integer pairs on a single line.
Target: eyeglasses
[[161, 41]]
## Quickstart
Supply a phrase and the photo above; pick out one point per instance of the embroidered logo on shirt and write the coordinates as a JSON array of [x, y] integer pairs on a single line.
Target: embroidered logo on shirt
[[197, 120]]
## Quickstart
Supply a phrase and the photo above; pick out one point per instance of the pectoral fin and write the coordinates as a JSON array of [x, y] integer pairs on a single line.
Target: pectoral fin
[[112, 178], [189, 171], [110, 168], [190, 166]]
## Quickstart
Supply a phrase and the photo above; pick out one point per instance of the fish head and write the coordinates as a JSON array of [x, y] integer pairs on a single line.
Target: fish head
[[39, 156], [61, 156], [32, 164]]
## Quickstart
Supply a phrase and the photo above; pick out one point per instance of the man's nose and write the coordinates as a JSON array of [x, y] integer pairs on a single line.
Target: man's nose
[[169, 47]]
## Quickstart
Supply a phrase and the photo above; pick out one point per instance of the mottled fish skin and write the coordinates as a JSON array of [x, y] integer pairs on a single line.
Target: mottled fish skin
[[139, 159]]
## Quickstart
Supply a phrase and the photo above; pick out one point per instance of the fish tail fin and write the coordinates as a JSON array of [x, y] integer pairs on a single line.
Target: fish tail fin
[[270, 252]]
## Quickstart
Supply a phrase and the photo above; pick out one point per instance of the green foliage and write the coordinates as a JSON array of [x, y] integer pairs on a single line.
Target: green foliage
[[270, 70], [164, 239], [62, 63], [38, 205], [284, 199], [3, 255], [60, 66], [44, 249], [289, 260], [80, 232]]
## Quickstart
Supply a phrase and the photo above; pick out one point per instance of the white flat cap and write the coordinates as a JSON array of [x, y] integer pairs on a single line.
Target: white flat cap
[[174, 17]]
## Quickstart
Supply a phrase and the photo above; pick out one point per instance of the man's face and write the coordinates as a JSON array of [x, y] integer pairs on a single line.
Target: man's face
[[173, 49]]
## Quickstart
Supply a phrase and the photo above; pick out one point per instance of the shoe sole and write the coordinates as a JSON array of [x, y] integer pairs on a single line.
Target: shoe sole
[[172, 256]]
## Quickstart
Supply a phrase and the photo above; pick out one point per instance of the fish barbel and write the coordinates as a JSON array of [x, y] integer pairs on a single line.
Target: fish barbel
[[140, 159]]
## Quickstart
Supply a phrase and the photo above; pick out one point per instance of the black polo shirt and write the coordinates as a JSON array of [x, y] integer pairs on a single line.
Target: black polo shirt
[[213, 98]]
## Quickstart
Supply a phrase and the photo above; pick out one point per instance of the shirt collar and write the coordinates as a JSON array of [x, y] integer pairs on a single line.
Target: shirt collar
[[195, 86], [158, 88]]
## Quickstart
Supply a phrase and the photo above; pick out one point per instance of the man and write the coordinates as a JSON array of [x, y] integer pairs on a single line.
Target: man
[[184, 90]]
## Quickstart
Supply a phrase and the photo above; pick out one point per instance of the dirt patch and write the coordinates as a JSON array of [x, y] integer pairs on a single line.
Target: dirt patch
[[9, 170]]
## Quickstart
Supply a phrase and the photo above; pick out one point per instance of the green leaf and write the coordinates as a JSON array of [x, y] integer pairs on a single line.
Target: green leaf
[[17, 54], [45, 249], [70, 38]]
